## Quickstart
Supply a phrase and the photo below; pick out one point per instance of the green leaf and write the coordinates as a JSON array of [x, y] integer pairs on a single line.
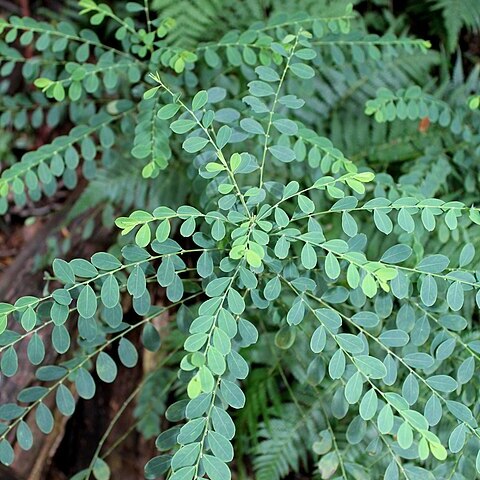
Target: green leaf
[[150, 93], [405, 220], [410, 389], [337, 364], [7, 454], [385, 419], [186, 456], [194, 387], [195, 342], [157, 466], [272, 289], [87, 302], [260, 89], [136, 284], [63, 271], [285, 337], [296, 313], [85, 384], [332, 267], [442, 383], [286, 126], [405, 435], [163, 231], [220, 446], [370, 366], [199, 100], [349, 225], [218, 286], [369, 405], [103, 261], [438, 451], [60, 339], [350, 343], [232, 394], [284, 154], [308, 256], [150, 338], [457, 438], [429, 290], [467, 254], [182, 126], [36, 350], [44, 418], [143, 236], [101, 470], [215, 468], [433, 410], [434, 264], [236, 302], [306, 205], [394, 338], [168, 111], [354, 387], [29, 319], [64, 400], [369, 286], [302, 70], [186, 473], [106, 368], [267, 74], [9, 362], [396, 254], [3, 323], [58, 92], [252, 126], [83, 269], [127, 353], [466, 370], [188, 227], [318, 340], [110, 292], [24, 436], [455, 296], [382, 222], [194, 144]]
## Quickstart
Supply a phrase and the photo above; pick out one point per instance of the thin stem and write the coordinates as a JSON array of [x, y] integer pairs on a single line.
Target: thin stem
[[28, 166], [218, 151], [456, 337], [122, 409], [305, 20], [86, 359], [274, 105], [347, 354], [217, 384], [333, 41], [75, 38], [111, 272], [389, 351], [97, 70], [147, 15]]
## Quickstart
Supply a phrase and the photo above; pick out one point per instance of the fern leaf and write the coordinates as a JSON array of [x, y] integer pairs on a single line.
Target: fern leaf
[[456, 15]]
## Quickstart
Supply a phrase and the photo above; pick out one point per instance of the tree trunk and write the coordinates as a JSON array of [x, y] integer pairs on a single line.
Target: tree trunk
[[70, 447]]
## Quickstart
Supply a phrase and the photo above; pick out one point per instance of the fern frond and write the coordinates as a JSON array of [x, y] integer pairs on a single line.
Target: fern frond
[[286, 442], [122, 186], [456, 15], [205, 20], [151, 140], [348, 87]]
